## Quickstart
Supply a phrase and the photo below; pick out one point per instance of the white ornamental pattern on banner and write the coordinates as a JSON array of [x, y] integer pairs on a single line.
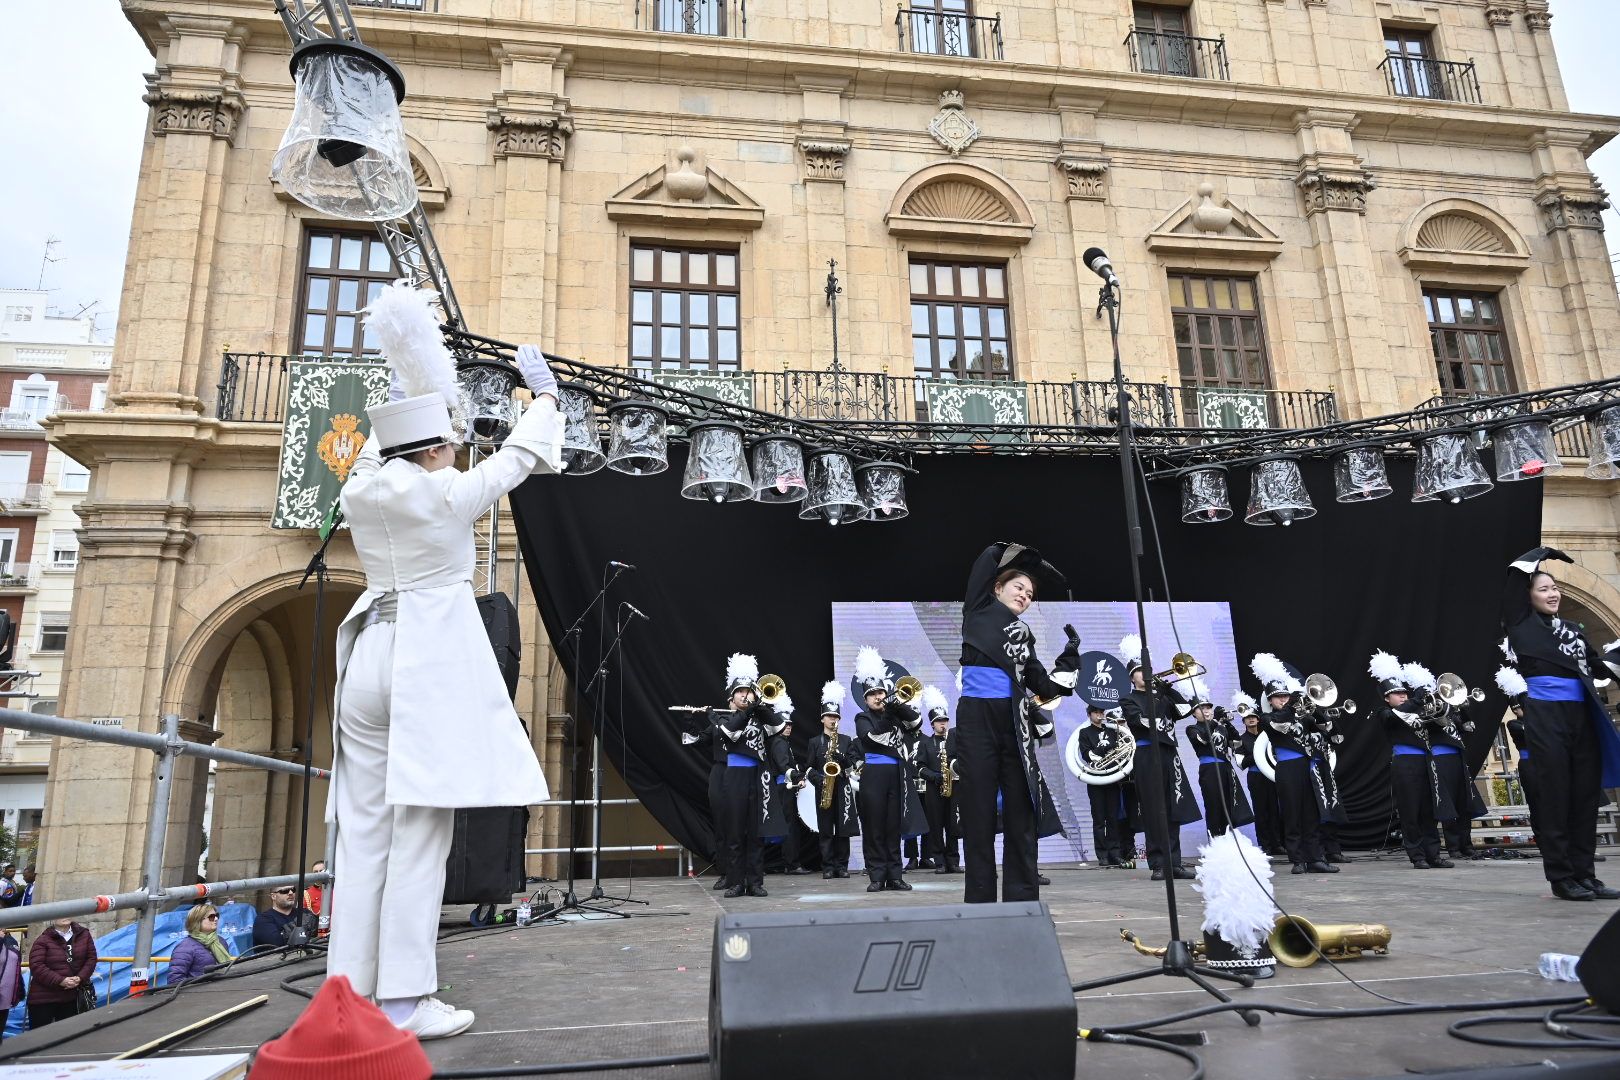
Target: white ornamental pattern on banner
[[309, 388]]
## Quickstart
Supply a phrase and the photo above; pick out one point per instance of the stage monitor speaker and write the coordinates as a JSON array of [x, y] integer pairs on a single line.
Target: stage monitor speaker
[[501, 624], [1599, 967], [956, 992]]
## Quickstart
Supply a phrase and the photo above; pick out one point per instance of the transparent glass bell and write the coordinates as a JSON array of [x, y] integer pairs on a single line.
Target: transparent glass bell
[[832, 494], [344, 151], [1524, 450], [638, 438], [778, 462], [716, 464], [487, 403], [1204, 496], [1448, 467], [1277, 494], [582, 444], [1603, 432], [1359, 474], [883, 489]]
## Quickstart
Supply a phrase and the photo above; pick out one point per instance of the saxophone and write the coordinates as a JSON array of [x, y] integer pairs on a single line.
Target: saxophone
[[947, 777], [829, 774]]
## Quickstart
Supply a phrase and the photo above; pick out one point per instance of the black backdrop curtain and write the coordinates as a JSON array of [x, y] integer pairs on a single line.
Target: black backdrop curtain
[[1422, 581]]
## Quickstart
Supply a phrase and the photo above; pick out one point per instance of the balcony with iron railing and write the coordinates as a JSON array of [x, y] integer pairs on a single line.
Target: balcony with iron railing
[[1438, 80], [706, 18], [1182, 55], [19, 577], [26, 422], [20, 499], [949, 33]]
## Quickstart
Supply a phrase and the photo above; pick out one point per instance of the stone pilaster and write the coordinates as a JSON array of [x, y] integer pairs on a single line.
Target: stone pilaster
[[1082, 167], [1523, 86], [826, 149], [1539, 20], [1571, 205]]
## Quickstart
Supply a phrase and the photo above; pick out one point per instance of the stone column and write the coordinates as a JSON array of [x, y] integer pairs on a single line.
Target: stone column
[[1521, 86], [1293, 48], [1334, 187], [1572, 205], [1539, 20], [1083, 169], [824, 149]]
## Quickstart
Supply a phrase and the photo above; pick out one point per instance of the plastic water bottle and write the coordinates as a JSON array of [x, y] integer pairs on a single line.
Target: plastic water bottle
[[1560, 967], [525, 914]]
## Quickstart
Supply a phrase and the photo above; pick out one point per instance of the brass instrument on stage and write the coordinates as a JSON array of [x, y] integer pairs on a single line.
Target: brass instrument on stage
[[1451, 689], [1182, 666], [1300, 943], [906, 688], [829, 773], [1196, 946], [771, 687], [946, 773], [1113, 767], [1322, 693]]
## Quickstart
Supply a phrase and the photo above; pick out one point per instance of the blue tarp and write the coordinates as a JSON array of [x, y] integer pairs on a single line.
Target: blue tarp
[[235, 929]]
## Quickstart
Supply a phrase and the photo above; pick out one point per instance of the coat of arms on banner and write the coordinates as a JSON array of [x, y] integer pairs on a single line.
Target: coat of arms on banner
[[324, 432]]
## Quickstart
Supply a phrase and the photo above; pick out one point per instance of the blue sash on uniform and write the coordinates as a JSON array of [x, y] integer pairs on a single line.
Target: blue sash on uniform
[[880, 759], [1286, 755], [741, 761], [1401, 748], [1142, 742], [1559, 688], [1208, 760], [1439, 751], [986, 682]]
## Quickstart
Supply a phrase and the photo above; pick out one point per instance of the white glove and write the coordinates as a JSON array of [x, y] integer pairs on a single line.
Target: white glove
[[536, 372]]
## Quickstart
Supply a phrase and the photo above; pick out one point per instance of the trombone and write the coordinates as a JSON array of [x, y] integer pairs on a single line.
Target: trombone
[[771, 687], [1183, 667], [906, 688]]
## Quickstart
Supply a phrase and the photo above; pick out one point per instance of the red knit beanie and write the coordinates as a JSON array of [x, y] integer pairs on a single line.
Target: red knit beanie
[[342, 1034]]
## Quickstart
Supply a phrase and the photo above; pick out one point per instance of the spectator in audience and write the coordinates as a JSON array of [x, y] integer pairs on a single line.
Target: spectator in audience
[[11, 980], [29, 872], [201, 950], [270, 928], [314, 894], [61, 963], [10, 895]]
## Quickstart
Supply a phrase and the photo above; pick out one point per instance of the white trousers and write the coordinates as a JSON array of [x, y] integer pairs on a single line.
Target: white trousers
[[385, 910]]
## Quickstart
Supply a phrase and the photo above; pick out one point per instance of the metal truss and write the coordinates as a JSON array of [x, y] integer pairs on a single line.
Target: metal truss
[[317, 20]]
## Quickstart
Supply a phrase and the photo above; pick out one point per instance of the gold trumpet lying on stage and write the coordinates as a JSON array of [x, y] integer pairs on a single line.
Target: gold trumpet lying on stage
[[1300, 943], [829, 773], [906, 688]]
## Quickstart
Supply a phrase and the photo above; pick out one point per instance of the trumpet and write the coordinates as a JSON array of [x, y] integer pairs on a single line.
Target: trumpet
[[829, 773], [771, 687], [906, 688], [1182, 666], [1322, 692], [1451, 689]]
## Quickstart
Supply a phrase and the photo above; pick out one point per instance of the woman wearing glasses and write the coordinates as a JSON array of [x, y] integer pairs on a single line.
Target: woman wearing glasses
[[201, 950], [61, 963]]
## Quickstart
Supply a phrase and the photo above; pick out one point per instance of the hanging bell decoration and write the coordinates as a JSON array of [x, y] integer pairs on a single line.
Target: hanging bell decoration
[[1448, 467], [344, 152], [832, 494], [638, 438], [1524, 450], [1204, 495], [716, 463], [1359, 474], [1603, 434], [582, 445], [883, 489], [487, 403], [778, 462], [1277, 494]]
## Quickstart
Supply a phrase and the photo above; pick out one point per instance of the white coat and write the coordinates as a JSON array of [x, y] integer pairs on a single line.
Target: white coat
[[454, 738]]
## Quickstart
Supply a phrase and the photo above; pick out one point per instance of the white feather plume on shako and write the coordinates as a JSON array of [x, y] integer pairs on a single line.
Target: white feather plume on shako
[[1242, 704], [934, 705], [1507, 651], [741, 670], [1196, 691], [1234, 877], [1387, 670], [1417, 676], [871, 673], [832, 698], [407, 331], [1510, 682], [1273, 676], [783, 706], [1130, 650]]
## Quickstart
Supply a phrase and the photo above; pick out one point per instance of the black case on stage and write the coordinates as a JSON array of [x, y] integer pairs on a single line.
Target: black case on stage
[[486, 863], [963, 991]]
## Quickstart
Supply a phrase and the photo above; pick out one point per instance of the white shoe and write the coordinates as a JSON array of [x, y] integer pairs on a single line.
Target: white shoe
[[433, 1019]]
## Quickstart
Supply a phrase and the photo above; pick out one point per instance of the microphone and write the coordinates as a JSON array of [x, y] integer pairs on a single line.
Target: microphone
[[637, 611], [617, 565], [1096, 261]]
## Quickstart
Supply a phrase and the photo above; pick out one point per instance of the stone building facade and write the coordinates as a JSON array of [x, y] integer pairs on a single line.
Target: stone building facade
[[1305, 198]]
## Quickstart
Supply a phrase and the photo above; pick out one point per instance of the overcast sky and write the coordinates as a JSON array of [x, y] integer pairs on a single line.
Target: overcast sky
[[74, 147]]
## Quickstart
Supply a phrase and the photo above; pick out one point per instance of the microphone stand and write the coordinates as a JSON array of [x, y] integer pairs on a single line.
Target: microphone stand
[[303, 929], [1178, 955], [619, 630]]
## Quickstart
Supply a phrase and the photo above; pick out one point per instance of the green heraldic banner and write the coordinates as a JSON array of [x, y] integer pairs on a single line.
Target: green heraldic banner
[[325, 429]]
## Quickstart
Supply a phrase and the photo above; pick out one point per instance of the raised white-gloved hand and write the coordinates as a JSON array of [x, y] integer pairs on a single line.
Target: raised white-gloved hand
[[536, 372]]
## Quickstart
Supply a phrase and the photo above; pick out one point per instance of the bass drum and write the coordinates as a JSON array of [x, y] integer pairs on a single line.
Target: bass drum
[[808, 797]]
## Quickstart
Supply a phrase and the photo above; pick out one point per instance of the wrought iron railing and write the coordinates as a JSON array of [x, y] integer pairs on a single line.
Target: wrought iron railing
[[253, 387], [1570, 436], [19, 576], [1442, 80], [710, 18], [1178, 54], [398, 5], [949, 33]]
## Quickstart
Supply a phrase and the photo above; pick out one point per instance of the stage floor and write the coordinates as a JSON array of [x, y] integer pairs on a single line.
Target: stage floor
[[581, 990]]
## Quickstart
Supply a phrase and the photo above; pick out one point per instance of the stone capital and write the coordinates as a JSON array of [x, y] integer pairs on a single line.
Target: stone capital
[[1536, 15], [824, 158], [1087, 177], [542, 135], [1499, 15], [1334, 190], [194, 110], [1562, 208]]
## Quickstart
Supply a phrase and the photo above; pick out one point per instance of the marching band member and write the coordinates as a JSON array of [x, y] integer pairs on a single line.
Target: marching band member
[[1411, 771], [881, 729], [744, 729], [1098, 739], [1570, 736], [1296, 779], [1456, 781], [708, 740], [411, 652], [914, 826], [939, 748], [1211, 737], [1166, 797], [1320, 723], [1262, 792], [998, 723], [787, 777], [837, 820], [1511, 683]]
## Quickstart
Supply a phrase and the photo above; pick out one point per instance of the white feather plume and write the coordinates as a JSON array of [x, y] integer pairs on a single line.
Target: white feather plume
[[869, 665], [1234, 877], [1242, 702], [1268, 669], [1384, 666], [1510, 682], [933, 698], [832, 693], [407, 329], [1417, 676], [740, 667], [1130, 648], [1195, 689], [1507, 651], [783, 705]]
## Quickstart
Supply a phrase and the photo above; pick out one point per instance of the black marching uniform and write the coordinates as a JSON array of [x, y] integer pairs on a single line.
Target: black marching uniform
[[785, 773], [1108, 810], [885, 787], [708, 740], [1262, 797], [1330, 808], [941, 844], [914, 826], [1147, 728], [1415, 782], [743, 800], [840, 821], [1225, 806], [1296, 788], [1456, 782], [1527, 780]]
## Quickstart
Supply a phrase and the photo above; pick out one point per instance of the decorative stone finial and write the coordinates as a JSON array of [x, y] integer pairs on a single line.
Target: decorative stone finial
[[1208, 217], [685, 183]]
